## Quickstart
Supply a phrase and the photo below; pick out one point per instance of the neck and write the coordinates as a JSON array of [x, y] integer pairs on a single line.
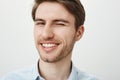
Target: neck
[[56, 71]]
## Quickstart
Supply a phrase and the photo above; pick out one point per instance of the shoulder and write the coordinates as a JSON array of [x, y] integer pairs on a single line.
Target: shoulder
[[83, 75], [21, 74]]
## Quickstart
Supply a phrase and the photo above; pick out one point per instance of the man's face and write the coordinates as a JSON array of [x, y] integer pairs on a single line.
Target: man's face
[[54, 31]]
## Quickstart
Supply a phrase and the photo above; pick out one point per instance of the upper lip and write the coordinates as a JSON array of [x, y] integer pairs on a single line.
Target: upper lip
[[49, 42]]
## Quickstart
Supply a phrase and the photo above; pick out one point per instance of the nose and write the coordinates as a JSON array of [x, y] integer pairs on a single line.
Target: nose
[[47, 33]]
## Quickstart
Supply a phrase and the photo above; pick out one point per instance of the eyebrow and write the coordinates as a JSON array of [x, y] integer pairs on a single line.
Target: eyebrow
[[38, 19], [61, 20], [56, 20]]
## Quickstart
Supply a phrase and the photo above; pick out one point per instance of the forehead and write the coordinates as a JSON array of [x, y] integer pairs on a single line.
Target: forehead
[[53, 10]]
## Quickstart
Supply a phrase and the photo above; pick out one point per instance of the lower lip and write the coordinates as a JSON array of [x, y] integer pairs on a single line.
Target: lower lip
[[50, 49]]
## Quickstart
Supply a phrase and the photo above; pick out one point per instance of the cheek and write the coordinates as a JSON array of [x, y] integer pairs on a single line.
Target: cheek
[[36, 35], [36, 32], [67, 35]]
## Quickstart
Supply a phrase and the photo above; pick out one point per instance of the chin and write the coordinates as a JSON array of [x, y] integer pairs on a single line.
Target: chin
[[50, 60]]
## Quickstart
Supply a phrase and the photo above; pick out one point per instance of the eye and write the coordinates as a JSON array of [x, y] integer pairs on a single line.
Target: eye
[[39, 23], [60, 24]]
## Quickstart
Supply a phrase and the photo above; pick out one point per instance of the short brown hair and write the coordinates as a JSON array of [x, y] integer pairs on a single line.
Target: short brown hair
[[73, 6]]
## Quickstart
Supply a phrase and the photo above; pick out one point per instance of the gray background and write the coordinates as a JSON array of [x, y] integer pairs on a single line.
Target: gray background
[[98, 52]]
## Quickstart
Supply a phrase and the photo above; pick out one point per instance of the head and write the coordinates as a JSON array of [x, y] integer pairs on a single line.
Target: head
[[73, 6], [58, 25]]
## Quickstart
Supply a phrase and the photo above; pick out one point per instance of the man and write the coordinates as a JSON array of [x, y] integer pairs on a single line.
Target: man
[[58, 25]]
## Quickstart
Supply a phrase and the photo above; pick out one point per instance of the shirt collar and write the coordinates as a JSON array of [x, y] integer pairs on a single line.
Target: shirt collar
[[36, 75], [73, 74], [35, 72]]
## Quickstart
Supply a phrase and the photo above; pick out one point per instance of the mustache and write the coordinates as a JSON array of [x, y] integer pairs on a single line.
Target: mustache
[[42, 40]]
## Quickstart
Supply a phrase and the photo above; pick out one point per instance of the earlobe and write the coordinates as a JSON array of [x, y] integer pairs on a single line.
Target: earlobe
[[79, 32]]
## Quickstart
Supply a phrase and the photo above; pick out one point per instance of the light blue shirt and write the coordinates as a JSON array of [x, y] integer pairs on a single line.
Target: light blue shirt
[[33, 74]]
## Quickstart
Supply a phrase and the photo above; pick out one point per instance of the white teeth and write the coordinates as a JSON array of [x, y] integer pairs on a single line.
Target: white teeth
[[48, 45]]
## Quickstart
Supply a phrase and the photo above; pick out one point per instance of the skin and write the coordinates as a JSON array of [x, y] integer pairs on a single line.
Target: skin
[[55, 36]]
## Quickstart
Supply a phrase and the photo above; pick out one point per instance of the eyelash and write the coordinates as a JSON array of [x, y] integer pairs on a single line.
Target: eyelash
[[40, 23], [60, 24]]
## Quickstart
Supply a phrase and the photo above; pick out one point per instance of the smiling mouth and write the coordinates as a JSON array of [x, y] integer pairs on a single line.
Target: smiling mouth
[[48, 47]]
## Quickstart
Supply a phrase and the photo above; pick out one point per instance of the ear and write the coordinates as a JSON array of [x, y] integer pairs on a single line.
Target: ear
[[79, 32]]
